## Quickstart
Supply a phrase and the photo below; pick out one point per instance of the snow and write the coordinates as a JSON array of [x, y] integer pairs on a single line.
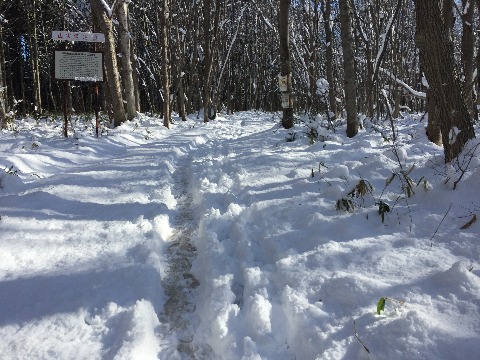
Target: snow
[[273, 270]]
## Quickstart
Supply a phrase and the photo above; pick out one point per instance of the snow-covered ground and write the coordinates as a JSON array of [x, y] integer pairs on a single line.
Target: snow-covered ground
[[224, 241]]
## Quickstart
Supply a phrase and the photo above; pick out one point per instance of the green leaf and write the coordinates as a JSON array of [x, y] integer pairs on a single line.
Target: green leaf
[[381, 305]]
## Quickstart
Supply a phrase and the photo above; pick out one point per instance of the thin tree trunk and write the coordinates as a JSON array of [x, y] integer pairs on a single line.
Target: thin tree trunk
[[35, 66], [133, 59], [285, 61], [179, 66], [467, 53], [3, 86], [328, 21], [349, 67], [127, 69], [166, 63]]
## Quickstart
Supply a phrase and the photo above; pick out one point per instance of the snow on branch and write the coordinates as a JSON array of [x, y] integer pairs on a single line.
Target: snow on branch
[[384, 40]]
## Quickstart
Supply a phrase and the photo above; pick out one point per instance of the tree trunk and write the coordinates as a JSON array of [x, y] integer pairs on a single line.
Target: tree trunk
[[111, 67], [467, 54], [437, 57], [166, 63], [127, 70], [328, 21], [209, 52], [349, 67], [433, 127], [133, 59], [179, 65], [3, 86], [35, 66], [285, 65]]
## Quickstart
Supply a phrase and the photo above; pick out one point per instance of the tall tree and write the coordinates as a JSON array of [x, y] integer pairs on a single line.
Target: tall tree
[[350, 81], [3, 87], [35, 61], [328, 24], [125, 58], [165, 62], [210, 40], [285, 62], [437, 57], [103, 18], [467, 47]]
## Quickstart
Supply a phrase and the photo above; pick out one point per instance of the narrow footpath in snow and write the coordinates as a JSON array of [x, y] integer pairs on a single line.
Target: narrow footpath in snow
[[177, 318]]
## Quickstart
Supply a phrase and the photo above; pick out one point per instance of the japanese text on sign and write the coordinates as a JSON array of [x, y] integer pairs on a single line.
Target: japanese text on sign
[[76, 65], [78, 36]]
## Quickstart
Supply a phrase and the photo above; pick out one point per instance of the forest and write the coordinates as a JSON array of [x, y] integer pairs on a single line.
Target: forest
[[346, 58]]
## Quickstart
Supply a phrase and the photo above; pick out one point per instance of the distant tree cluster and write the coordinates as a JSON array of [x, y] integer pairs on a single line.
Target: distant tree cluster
[[373, 57]]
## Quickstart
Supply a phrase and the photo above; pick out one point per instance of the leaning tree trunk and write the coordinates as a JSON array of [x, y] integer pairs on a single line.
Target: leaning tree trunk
[[349, 67], [285, 65], [111, 67], [437, 57]]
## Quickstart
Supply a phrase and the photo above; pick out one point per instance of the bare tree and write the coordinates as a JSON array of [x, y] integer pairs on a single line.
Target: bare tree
[[3, 87], [437, 56], [125, 59], [103, 17], [328, 23], [467, 47], [165, 62], [285, 64], [350, 81], [209, 50]]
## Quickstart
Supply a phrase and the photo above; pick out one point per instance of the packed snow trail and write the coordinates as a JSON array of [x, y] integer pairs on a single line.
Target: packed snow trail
[[177, 318]]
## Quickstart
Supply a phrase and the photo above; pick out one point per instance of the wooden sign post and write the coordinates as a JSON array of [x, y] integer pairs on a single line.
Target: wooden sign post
[[79, 66]]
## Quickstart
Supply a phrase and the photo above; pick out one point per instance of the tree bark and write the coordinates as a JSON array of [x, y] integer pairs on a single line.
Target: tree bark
[[111, 66], [437, 57], [349, 67], [209, 52], [35, 66], [3, 86], [285, 62], [127, 69], [467, 54], [166, 63], [328, 21]]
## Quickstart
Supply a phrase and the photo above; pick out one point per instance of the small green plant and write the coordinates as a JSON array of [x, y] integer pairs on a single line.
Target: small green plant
[[383, 300]]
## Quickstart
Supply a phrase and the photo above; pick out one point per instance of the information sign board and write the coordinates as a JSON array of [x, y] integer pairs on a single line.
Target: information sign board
[[79, 65], [78, 36]]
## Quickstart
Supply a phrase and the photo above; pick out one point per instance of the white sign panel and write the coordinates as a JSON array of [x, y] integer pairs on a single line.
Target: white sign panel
[[283, 83], [78, 36], [78, 65]]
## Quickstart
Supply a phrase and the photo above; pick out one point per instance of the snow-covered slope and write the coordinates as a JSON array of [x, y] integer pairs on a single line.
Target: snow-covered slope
[[277, 271]]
